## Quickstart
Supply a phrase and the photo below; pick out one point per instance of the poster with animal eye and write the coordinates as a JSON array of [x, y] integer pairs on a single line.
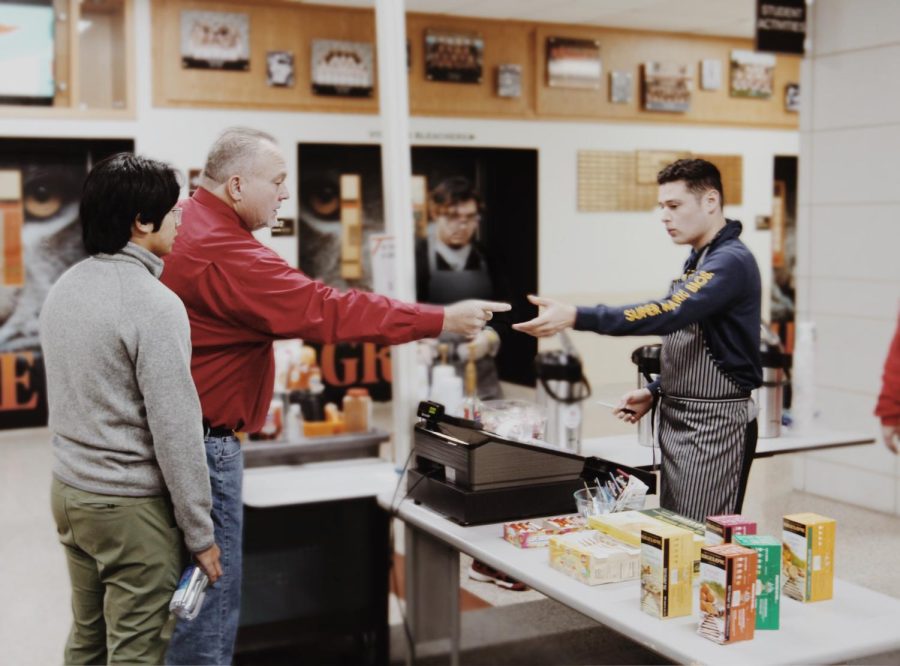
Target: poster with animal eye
[[452, 56], [40, 191], [215, 40], [574, 63], [342, 68], [667, 87], [752, 74]]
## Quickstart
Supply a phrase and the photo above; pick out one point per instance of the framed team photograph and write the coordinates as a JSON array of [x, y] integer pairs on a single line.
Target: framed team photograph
[[342, 68], [574, 63], [452, 56], [280, 69], [215, 40], [667, 87], [621, 85], [752, 74]]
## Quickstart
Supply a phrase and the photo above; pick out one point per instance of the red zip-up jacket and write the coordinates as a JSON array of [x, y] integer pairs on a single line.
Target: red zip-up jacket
[[888, 406], [241, 295]]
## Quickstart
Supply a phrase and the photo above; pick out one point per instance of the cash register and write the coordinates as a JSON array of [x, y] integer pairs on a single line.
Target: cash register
[[473, 476]]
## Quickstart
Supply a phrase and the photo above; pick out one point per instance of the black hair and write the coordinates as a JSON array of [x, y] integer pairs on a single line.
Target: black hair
[[698, 175], [119, 190], [453, 191]]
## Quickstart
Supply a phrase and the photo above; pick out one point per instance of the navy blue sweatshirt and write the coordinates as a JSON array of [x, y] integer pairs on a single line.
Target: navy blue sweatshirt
[[723, 295]]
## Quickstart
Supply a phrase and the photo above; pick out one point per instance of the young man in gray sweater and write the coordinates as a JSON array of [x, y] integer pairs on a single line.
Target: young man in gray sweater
[[130, 477]]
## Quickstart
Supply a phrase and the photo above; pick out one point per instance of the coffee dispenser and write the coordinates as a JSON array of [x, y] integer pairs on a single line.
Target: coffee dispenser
[[561, 388], [770, 396], [646, 359]]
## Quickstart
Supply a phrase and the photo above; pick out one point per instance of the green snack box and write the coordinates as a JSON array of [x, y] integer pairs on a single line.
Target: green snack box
[[768, 578]]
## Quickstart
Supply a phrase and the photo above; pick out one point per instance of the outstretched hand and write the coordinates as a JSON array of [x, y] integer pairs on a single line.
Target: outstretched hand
[[469, 317], [553, 317]]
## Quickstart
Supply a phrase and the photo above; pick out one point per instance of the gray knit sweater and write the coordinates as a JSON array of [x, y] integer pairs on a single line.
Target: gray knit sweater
[[124, 412]]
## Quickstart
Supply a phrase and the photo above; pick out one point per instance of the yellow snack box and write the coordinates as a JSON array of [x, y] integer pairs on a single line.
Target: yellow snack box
[[594, 558], [625, 526], [667, 565], [807, 568]]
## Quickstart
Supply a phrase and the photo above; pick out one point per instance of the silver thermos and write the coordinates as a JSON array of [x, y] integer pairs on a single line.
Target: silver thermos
[[646, 359], [561, 388], [770, 396]]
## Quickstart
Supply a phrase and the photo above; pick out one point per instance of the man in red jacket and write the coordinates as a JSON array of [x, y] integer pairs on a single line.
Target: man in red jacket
[[240, 296], [888, 407]]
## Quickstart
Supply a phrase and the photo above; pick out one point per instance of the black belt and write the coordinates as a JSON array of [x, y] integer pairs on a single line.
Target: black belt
[[216, 431]]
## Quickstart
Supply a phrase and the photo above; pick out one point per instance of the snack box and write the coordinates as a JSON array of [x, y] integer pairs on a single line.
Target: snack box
[[723, 529], [676, 519], [536, 533], [727, 593], [667, 565], [625, 526], [526, 533], [807, 570], [768, 578], [594, 558]]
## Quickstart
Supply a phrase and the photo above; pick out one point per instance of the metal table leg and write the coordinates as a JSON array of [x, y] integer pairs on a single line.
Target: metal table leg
[[432, 592]]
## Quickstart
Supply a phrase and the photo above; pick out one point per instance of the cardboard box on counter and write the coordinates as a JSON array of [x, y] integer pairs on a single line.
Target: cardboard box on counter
[[807, 571], [625, 526], [536, 533], [594, 558], [676, 519], [727, 593], [723, 529], [667, 566], [768, 578]]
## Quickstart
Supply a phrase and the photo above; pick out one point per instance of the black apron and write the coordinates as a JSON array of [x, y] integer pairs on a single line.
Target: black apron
[[707, 433], [449, 286]]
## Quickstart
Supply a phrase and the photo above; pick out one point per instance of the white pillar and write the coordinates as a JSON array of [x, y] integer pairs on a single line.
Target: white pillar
[[396, 170]]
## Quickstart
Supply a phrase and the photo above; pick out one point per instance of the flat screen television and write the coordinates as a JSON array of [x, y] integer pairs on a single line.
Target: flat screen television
[[26, 52]]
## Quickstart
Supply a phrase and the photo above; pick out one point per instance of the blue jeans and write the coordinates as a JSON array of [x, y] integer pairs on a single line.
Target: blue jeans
[[209, 637]]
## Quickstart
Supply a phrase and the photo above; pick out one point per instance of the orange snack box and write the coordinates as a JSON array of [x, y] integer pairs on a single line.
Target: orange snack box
[[727, 593]]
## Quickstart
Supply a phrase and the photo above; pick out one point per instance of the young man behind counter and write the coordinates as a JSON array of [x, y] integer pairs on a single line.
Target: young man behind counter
[[240, 297], [710, 323]]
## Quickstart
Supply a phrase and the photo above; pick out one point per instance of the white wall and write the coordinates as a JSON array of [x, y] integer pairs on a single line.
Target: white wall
[[849, 235], [586, 258]]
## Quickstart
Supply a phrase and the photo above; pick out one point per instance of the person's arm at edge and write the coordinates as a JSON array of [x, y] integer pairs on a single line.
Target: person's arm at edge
[[887, 409]]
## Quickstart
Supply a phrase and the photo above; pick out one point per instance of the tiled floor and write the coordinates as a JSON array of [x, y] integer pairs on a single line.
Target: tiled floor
[[528, 629]]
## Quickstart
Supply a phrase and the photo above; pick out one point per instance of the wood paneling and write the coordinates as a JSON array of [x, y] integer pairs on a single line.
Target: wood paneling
[[504, 43], [626, 50], [276, 25], [273, 27], [626, 180]]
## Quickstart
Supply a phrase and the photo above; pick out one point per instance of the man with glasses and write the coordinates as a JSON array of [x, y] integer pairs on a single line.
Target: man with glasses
[[451, 266]]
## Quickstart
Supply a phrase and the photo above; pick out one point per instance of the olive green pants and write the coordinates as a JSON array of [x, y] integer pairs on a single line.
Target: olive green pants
[[124, 556]]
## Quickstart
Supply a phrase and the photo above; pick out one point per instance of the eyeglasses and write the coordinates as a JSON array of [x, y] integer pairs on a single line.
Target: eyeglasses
[[176, 215], [462, 220]]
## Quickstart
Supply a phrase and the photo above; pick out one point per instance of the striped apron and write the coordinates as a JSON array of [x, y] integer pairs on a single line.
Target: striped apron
[[706, 437]]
